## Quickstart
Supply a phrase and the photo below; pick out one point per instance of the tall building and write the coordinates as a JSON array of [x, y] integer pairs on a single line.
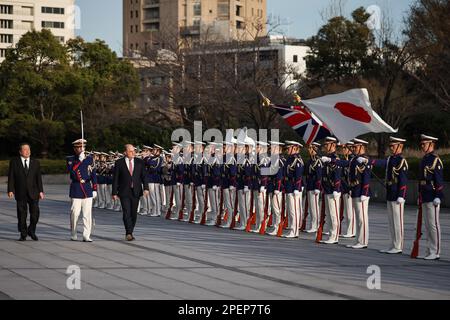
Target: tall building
[[17, 17], [154, 23]]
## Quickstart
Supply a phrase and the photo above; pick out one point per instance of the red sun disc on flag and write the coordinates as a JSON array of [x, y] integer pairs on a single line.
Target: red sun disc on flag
[[354, 112]]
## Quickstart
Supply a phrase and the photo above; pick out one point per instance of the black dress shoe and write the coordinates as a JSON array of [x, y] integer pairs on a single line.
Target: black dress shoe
[[34, 237], [23, 238]]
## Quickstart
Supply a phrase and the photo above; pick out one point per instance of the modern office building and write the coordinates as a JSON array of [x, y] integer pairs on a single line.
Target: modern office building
[[18, 17], [159, 23]]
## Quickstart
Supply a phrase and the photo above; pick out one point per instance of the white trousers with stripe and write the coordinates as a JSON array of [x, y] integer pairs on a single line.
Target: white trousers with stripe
[[294, 210], [260, 203], [349, 214], [188, 198], [154, 199], [362, 220], [83, 206], [276, 209], [332, 211], [214, 202], [229, 197], [314, 209], [395, 223], [433, 226], [244, 206]]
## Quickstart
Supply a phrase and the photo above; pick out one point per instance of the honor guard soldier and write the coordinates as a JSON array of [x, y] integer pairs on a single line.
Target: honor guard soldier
[[229, 183], [359, 182], [213, 181], [154, 165], [168, 180], [396, 183], [260, 182], [96, 156], [101, 180], [179, 177], [313, 172], [293, 188], [198, 178], [277, 165], [108, 181], [188, 184], [346, 197], [83, 188], [331, 183], [145, 200], [431, 194]]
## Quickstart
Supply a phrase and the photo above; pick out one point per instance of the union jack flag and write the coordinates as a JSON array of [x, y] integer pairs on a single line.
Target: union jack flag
[[305, 123]]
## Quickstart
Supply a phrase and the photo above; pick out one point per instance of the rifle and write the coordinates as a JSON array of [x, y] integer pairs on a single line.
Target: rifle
[[262, 230], [192, 213], [415, 250], [203, 221], [169, 210], [180, 213], [341, 214], [282, 216], [322, 220], [219, 215], [303, 227], [233, 217], [251, 214]]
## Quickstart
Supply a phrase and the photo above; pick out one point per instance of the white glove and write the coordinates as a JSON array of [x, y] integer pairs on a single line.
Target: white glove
[[276, 192], [262, 189], [336, 194], [82, 156], [316, 191], [325, 159], [364, 198], [178, 184], [232, 188], [436, 201], [214, 188], [203, 186], [191, 183], [246, 189], [400, 200], [362, 160], [94, 194], [296, 192]]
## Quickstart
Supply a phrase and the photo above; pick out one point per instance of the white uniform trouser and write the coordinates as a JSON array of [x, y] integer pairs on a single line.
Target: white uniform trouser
[[332, 210], [81, 206], [294, 210], [260, 203], [395, 224], [200, 195], [143, 204], [178, 197], [362, 220], [214, 202], [154, 204], [244, 206], [108, 193], [188, 198], [276, 209], [314, 209], [168, 192], [162, 192], [349, 214], [229, 198], [101, 188], [431, 214]]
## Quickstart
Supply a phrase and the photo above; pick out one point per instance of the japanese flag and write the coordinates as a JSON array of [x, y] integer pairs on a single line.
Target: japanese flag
[[348, 114]]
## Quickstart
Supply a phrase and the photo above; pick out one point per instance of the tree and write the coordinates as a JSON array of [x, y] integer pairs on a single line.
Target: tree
[[428, 29]]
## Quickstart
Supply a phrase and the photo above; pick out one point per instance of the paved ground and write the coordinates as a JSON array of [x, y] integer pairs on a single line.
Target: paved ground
[[174, 260]]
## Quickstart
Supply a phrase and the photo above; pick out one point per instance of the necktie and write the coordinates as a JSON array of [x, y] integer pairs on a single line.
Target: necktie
[[26, 167], [130, 167]]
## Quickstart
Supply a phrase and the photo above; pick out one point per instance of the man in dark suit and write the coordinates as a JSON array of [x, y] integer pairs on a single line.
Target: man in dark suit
[[25, 184], [128, 180]]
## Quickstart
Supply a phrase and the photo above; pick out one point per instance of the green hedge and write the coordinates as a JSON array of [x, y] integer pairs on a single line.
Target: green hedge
[[47, 166]]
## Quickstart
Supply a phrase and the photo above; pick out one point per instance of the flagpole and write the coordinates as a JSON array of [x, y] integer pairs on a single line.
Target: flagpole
[[82, 129]]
